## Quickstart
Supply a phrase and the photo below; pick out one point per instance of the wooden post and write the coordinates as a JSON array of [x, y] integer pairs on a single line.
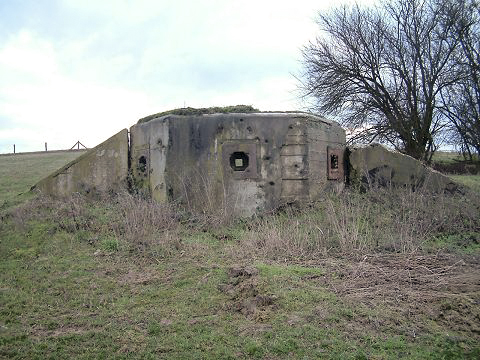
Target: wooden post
[[46, 147], [14, 148]]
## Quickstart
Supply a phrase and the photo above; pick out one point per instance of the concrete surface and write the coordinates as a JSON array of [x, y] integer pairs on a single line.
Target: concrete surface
[[101, 169]]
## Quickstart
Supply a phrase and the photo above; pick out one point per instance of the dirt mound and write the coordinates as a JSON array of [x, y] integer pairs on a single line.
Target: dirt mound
[[245, 293]]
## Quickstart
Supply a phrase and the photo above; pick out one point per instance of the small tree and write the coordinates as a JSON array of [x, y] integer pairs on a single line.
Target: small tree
[[381, 70]]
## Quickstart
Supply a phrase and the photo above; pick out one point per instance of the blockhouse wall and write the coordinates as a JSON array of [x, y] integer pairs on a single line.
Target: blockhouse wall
[[251, 162]]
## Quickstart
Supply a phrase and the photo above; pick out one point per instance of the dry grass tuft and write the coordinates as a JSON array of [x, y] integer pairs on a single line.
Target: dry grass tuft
[[199, 202], [129, 221], [390, 220], [144, 223], [285, 235]]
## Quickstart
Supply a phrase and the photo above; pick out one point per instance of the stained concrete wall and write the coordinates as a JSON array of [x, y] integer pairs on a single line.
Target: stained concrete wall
[[240, 162], [375, 165], [201, 160], [99, 170]]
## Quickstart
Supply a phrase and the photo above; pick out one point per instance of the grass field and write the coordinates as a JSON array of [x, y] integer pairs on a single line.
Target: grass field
[[451, 158], [126, 278], [19, 172], [447, 157], [471, 181]]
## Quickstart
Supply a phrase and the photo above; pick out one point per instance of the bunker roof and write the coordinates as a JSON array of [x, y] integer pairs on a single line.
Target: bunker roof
[[202, 111], [235, 109]]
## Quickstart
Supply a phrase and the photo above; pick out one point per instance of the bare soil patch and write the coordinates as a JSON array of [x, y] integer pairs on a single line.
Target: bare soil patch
[[245, 293], [64, 330]]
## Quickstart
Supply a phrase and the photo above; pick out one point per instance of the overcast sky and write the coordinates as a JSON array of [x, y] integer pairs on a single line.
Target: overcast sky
[[83, 70]]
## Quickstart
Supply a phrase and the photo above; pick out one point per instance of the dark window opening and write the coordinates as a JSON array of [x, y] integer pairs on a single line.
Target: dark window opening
[[333, 161], [142, 164], [239, 161]]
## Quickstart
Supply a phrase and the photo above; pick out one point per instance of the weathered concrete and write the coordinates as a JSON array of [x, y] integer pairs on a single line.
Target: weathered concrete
[[240, 163], [99, 170], [375, 165], [244, 163]]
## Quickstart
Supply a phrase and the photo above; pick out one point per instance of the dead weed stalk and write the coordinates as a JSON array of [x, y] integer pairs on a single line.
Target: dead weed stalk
[[392, 220], [198, 196], [285, 236], [144, 223]]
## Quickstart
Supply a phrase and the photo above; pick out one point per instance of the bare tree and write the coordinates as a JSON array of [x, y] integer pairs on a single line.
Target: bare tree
[[381, 70], [462, 102]]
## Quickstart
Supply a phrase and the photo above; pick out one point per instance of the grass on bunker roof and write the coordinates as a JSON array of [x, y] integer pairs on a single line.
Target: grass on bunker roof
[[104, 279], [202, 111]]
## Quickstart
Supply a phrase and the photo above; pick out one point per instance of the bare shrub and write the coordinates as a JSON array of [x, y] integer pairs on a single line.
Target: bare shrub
[[22, 214], [200, 194], [349, 220], [132, 221], [415, 220], [285, 236], [74, 214], [415, 217], [67, 214], [143, 223], [338, 222], [397, 220]]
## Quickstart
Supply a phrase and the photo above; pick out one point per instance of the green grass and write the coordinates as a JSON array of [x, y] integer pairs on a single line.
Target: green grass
[[467, 243], [18, 173], [471, 181], [451, 158], [59, 300], [75, 283], [447, 157]]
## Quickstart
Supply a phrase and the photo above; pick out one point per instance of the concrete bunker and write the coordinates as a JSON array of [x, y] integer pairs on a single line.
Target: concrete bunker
[[246, 162], [242, 162]]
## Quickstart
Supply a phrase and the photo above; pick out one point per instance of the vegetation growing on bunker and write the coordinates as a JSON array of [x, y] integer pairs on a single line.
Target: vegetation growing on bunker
[[202, 111]]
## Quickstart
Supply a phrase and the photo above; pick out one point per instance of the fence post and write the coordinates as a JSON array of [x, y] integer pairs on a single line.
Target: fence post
[[14, 148], [46, 147]]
